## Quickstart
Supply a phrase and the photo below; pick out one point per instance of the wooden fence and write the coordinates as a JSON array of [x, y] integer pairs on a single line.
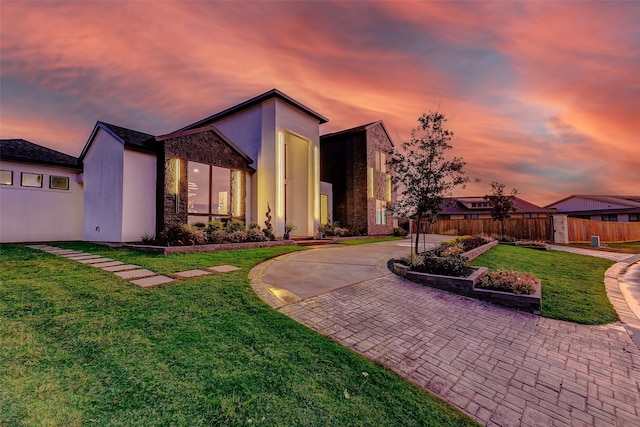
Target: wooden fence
[[520, 228], [581, 230]]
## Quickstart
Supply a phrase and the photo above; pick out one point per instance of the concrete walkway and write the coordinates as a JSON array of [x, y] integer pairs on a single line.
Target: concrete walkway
[[500, 366]]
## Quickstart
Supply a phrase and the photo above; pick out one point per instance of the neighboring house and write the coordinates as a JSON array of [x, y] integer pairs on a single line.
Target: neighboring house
[[599, 207], [354, 162], [478, 208], [40, 193]]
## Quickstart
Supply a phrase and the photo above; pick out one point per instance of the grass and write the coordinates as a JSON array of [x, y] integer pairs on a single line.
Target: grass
[[624, 248], [82, 347], [572, 285], [370, 240]]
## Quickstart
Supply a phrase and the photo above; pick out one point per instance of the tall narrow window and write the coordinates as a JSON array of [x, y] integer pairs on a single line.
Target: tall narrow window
[[389, 187], [370, 182], [381, 212]]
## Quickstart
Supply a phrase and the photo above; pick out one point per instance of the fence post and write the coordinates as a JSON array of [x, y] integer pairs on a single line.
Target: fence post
[[560, 228]]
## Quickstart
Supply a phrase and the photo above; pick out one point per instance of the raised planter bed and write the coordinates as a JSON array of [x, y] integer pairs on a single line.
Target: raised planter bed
[[467, 286]]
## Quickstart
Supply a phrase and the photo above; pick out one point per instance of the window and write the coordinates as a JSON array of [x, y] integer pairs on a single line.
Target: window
[[381, 162], [6, 177], [479, 204], [209, 189], [529, 215], [59, 182], [381, 212], [370, 183], [389, 187], [634, 217], [470, 216], [444, 216], [31, 180], [610, 217]]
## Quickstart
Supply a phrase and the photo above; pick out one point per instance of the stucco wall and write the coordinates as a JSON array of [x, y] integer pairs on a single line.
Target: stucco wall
[[139, 195], [103, 180], [40, 214]]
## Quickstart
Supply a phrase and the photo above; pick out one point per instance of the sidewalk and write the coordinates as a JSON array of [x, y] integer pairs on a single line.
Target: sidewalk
[[500, 366]]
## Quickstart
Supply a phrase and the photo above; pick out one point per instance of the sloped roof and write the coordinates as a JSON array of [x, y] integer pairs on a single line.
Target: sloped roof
[[521, 205], [211, 128], [128, 137], [273, 93], [630, 201], [24, 151], [357, 129]]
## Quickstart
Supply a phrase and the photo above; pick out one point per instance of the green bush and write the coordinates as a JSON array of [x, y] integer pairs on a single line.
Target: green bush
[[255, 235], [235, 225], [182, 235], [452, 265], [253, 225], [237, 236], [217, 236]]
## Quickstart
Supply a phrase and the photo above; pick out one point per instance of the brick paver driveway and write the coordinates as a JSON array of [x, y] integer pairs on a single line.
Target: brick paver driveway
[[502, 367]]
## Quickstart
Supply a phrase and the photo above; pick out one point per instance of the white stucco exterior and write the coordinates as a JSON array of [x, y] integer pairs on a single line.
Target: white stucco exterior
[[258, 131], [119, 191], [29, 214]]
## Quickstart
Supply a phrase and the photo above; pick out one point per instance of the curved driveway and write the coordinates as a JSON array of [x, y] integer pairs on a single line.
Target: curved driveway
[[500, 366]]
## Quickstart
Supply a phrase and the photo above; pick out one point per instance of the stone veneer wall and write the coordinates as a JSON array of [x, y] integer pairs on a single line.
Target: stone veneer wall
[[204, 147], [377, 141]]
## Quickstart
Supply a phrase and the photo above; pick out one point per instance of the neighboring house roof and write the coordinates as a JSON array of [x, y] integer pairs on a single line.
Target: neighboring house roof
[[273, 93], [596, 204], [360, 128], [454, 205], [23, 151], [128, 137], [205, 129]]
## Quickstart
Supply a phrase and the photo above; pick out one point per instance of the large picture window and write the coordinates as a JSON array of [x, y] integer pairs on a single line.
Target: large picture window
[[209, 190]]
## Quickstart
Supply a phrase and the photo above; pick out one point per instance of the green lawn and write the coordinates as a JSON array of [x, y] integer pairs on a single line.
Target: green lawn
[[370, 240], [79, 346], [572, 285]]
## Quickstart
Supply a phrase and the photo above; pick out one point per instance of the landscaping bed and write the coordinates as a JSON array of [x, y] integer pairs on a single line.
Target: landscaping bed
[[465, 280]]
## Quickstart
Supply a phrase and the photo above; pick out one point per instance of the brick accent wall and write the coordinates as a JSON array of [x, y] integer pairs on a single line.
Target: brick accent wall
[[344, 160], [203, 147]]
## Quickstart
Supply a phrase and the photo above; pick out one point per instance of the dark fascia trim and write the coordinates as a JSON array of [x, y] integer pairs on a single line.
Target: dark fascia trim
[[100, 125], [211, 128], [358, 129], [273, 93], [77, 167]]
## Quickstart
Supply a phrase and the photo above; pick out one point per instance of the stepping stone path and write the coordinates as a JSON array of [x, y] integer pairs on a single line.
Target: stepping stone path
[[135, 274]]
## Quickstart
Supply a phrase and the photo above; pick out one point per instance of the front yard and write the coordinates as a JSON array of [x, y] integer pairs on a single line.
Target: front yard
[[80, 346]]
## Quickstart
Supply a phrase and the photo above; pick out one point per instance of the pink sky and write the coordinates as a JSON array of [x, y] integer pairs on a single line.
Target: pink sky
[[542, 96]]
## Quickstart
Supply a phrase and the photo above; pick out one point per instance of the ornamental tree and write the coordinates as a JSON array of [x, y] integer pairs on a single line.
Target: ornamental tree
[[501, 205], [423, 176]]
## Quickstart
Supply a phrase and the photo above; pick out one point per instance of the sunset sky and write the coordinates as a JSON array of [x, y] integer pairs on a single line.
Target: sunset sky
[[541, 96]]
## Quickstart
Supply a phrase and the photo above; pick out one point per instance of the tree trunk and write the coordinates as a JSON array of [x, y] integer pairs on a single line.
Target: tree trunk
[[418, 233]]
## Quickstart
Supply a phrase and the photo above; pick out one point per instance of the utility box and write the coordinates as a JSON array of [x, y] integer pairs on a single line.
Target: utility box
[[595, 241]]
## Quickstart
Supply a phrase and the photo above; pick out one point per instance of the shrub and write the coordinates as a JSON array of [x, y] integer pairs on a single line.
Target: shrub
[[530, 243], [509, 281], [507, 239], [253, 225], [451, 250], [400, 232], [199, 225], [182, 235], [340, 232], [255, 235], [235, 225], [147, 238], [473, 242], [452, 265], [217, 236], [237, 236], [215, 225]]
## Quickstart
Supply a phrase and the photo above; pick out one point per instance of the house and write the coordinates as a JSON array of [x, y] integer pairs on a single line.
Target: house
[[40, 193], [477, 207], [599, 207], [354, 162]]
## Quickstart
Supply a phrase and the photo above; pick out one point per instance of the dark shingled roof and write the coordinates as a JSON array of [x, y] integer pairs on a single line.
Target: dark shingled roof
[[521, 206], [20, 150], [273, 93], [130, 136]]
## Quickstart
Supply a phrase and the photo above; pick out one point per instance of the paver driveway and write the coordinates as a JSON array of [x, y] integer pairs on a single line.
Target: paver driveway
[[502, 367]]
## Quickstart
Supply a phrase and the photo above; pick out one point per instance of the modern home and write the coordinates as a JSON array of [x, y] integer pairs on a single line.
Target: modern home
[[354, 162], [260, 155], [40, 193], [599, 207], [478, 208]]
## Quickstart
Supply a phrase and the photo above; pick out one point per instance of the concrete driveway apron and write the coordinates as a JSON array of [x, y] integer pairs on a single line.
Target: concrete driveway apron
[[500, 366]]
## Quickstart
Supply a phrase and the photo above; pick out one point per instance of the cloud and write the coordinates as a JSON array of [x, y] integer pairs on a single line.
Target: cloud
[[541, 95]]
